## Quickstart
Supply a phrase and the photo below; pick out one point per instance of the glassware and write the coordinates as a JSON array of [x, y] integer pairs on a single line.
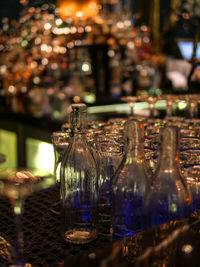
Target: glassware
[[130, 184], [193, 123], [60, 142], [79, 183], [171, 99], [114, 129], [188, 132], [96, 124], [154, 126], [192, 176], [169, 102], [65, 127], [189, 143], [16, 185], [131, 100], [151, 158], [168, 198], [189, 138], [110, 152], [117, 121], [151, 100], [92, 135], [192, 102], [190, 157]]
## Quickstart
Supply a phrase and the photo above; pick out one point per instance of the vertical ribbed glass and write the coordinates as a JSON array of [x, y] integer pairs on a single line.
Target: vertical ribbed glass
[[79, 187], [129, 184], [168, 198]]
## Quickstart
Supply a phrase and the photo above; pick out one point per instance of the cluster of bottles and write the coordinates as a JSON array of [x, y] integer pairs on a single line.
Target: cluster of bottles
[[47, 60], [105, 178]]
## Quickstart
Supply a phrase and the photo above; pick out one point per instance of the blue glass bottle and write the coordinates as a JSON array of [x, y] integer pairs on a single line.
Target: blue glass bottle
[[168, 198], [129, 184], [79, 186]]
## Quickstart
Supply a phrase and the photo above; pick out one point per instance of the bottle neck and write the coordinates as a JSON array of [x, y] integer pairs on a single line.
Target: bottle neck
[[169, 162], [78, 122], [135, 149], [169, 152], [134, 141]]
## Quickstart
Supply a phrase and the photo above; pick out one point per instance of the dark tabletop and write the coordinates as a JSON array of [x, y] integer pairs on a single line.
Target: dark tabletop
[[43, 244], [174, 244]]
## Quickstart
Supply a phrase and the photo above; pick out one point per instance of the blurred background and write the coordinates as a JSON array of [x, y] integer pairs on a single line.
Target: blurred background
[[54, 53]]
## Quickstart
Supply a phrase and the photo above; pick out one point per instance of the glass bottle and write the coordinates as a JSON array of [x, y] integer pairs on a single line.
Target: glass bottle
[[168, 197], [79, 185], [129, 184]]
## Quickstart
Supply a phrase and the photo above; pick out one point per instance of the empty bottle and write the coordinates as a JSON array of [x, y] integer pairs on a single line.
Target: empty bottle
[[168, 198], [79, 185], [130, 184]]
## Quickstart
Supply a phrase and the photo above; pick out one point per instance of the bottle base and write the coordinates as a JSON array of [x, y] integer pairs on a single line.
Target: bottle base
[[80, 236]]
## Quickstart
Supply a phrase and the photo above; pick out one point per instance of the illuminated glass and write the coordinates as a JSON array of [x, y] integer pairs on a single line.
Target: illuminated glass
[[8, 147], [39, 154]]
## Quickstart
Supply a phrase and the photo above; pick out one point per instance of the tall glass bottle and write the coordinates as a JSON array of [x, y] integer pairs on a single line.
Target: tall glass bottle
[[168, 197], [79, 186], [129, 184]]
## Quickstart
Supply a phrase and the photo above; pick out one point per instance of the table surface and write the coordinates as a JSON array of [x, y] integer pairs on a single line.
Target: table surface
[[173, 244], [43, 244]]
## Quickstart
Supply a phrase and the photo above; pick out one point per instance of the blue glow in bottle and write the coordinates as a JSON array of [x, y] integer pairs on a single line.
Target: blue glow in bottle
[[168, 198], [130, 184]]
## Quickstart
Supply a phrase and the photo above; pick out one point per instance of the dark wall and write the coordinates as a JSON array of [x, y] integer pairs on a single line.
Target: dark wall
[[10, 8], [40, 2]]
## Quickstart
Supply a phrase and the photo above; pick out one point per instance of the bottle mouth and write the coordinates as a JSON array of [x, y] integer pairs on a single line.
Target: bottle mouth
[[79, 108]]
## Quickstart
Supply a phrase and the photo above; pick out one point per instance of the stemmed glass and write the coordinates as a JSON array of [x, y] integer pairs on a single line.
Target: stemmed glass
[[16, 185], [170, 100], [151, 100], [131, 100], [192, 102]]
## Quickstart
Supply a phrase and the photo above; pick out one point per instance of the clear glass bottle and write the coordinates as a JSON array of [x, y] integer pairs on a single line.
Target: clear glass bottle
[[129, 184], [168, 198], [79, 185]]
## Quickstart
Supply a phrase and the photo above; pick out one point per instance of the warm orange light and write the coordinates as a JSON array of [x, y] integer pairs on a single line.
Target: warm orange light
[[67, 9], [78, 8]]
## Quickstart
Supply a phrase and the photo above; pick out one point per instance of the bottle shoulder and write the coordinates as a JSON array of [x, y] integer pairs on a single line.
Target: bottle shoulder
[[134, 173], [168, 182], [79, 153]]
